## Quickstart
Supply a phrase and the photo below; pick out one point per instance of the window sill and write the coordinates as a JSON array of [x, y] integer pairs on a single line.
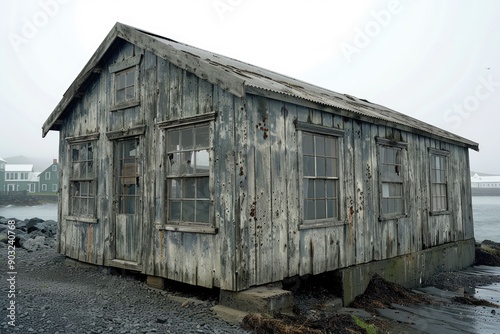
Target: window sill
[[320, 224], [125, 105], [439, 213], [82, 219], [189, 228]]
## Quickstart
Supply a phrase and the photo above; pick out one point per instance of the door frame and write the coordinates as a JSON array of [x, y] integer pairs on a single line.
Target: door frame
[[115, 205]]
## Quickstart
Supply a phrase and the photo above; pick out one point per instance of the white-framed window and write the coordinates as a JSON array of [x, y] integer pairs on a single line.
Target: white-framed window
[[188, 150], [320, 174], [54, 168], [54, 188], [82, 179], [320, 177], [44, 187], [392, 164], [438, 181], [47, 175], [125, 83]]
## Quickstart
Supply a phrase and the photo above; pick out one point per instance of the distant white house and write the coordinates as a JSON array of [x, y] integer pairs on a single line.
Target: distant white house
[[485, 181], [20, 177]]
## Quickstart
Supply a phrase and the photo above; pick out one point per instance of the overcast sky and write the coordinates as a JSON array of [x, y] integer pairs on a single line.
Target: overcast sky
[[438, 61]]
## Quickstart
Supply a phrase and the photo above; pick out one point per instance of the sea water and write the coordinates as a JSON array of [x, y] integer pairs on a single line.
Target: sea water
[[44, 211], [486, 210]]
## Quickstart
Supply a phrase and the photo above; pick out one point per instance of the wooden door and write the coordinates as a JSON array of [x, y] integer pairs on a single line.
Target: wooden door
[[127, 201]]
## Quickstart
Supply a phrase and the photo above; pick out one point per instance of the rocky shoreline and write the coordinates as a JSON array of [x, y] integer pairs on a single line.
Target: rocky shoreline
[[31, 234], [57, 295]]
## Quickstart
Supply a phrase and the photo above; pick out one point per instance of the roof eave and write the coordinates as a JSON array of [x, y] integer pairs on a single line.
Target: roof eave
[[90, 68]]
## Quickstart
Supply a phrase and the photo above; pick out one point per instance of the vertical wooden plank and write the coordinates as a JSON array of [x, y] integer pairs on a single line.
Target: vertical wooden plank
[[226, 184], [349, 206], [360, 224], [426, 233], [367, 195], [373, 171], [242, 214], [304, 242], [163, 79], [466, 196], [251, 223], [175, 259], [149, 97], [175, 92], [292, 161], [278, 178], [263, 191], [190, 94], [205, 97]]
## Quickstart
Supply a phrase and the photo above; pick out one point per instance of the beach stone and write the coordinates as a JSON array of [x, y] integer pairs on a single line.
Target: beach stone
[[34, 244]]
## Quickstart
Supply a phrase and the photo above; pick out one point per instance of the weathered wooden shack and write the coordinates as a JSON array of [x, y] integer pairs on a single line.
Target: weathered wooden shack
[[183, 164]]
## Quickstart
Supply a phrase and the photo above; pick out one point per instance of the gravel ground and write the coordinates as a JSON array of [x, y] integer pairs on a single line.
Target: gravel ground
[[52, 297]]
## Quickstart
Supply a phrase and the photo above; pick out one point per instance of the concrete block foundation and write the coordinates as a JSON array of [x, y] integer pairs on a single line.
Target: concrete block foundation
[[259, 299], [409, 270]]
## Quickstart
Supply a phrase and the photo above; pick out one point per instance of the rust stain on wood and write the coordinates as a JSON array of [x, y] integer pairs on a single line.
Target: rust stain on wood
[[89, 243], [351, 227], [161, 244]]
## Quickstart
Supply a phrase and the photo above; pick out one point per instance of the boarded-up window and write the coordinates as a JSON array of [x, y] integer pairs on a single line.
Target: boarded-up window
[[439, 181], [320, 177], [188, 163], [391, 177], [82, 180]]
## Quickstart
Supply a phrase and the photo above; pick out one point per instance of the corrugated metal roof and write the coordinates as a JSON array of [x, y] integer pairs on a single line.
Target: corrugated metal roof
[[267, 80], [239, 77]]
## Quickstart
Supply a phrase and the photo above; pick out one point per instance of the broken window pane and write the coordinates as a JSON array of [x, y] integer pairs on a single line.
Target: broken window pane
[[202, 161], [188, 156], [172, 141]]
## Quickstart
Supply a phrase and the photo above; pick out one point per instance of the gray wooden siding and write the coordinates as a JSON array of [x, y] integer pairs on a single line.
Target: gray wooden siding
[[256, 185], [278, 247]]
